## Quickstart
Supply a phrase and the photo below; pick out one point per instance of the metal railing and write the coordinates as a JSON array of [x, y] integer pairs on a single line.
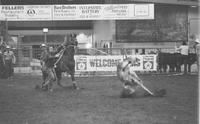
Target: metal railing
[[26, 55]]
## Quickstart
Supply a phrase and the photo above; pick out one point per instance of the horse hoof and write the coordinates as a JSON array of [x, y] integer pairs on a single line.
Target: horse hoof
[[51, 90], [75, 87], [60, 85], [44, 88], [37, 87]]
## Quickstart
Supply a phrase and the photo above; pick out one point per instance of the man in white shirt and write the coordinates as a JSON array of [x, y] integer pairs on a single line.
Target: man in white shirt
[[196, 42], [184, 50]]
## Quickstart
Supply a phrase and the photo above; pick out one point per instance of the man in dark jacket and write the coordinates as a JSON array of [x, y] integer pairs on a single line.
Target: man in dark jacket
[[48, 71]]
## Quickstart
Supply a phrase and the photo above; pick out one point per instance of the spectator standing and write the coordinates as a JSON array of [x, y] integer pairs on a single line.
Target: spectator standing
[[178, 59], [9, 58], [2, 63], [184, 50], [136, 52], [196, 41]]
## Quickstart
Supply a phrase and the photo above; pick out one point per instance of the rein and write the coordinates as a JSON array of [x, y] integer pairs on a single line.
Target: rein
[[61, 54]]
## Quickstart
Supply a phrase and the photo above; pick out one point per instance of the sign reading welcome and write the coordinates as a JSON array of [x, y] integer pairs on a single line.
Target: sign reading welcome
[[109, 63]]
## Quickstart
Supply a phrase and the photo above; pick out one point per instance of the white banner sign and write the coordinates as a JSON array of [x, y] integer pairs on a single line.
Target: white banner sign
[[76, 12], [97, 63], [37, 12], [145, 63], [103, 12], [65, 12], [25, 13], [109, 63], [11, 12]]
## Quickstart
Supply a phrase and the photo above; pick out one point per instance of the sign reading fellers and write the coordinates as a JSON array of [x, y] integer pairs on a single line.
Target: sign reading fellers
[[25, 13], [76, 12], [11, 12]]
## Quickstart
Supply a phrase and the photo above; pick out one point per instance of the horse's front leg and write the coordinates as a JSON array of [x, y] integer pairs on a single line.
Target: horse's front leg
[[75, 86], [59, 76]]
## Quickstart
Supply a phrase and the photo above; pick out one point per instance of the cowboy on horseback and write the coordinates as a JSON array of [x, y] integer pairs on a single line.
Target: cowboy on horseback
[[48, 71]]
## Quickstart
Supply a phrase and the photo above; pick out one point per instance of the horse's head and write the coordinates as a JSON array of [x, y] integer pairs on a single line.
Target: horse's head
[[68, 45], [72, 41]]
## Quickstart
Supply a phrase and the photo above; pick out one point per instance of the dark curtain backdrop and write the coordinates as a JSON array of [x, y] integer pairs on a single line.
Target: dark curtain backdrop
[[170, 24]]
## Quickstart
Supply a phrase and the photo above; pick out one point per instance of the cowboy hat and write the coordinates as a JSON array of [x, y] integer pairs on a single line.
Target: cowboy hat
[[43, 45], [8, 47], [197, 41]]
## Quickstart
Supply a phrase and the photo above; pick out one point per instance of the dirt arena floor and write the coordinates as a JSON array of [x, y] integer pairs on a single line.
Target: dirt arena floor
[[98, 102]]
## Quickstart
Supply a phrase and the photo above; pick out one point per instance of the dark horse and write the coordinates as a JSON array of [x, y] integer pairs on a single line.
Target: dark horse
[[66, 62]]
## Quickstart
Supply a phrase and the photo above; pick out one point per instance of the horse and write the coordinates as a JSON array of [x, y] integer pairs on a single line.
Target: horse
[[66, 61]]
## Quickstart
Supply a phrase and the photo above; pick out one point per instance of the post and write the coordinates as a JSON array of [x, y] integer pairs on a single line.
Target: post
[[45, 31], [198, 65], [6, 31], [45, 37]]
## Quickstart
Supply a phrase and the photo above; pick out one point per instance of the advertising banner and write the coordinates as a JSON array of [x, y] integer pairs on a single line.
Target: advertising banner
[[145, 63], [25, 12], [11, 12], [65, 12], [109, 63], [97, 63], [37, 12], [103, 12], [90, 12], [117, 11], [76, 12]]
